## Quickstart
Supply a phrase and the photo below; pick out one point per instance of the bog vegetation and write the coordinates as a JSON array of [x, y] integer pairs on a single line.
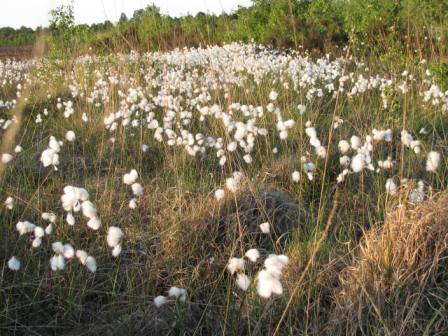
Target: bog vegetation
[[278, 170]]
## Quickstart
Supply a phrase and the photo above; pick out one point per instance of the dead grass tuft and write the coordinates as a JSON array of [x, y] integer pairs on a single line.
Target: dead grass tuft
[[399, 277]]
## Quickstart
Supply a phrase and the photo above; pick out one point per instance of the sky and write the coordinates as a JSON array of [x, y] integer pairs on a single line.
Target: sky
[[33, 13]]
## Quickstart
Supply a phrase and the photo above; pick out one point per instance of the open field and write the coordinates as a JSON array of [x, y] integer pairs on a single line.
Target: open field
[[233, 190]]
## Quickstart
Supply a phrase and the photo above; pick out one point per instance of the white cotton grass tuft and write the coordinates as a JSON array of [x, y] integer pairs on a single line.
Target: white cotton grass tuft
[[357, 163], [236, 265], [9, 203], [275, 263], [343, 146], [265, 227], [133, 203], [355, 142], [91, 264], [252, 254], [391, 187], [72, 198], [268, 279], [267, 284], [295, 176], [433, 161], [50, 155], [220, 194], [6, 158], [234, 183], [137, 189], [58, 247], [321, 152], [57, 263], [25, 227], [14, 264], [273, 95], [49, 217], [68, 251], [89, 209], [177, 293], [70, 219], [114, 236], [82, 256], [49, 229], [94, 223], [36, 242], [39, 232], [18, 149], [116, 251], [243, 281], [131, 177], [160, 300], [70, 136]]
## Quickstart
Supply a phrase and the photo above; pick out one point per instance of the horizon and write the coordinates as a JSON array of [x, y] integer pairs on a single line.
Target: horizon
[[97, 11]]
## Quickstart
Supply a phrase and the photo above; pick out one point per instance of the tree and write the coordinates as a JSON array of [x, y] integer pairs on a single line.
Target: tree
[[123, 18]]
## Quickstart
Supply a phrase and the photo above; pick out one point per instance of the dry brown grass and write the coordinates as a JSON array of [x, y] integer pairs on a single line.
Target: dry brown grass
[[399, 277]]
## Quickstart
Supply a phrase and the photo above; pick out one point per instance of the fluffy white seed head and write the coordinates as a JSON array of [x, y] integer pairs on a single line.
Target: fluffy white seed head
[[114, 236], [36, 242], [91, 264], [275, 263], [273, 95], [343, 146], [57, 263], [14, 264], [6, 158], [49, 217], [116, 251], [25, 227], [235, 265], [137, 189], [133, 203], [295, 176], [267, 284], [49, 229], [159, 301], [357, 163], [58, 247], [89, 209], [355, 142], [252, 254], [68, 251], [432, 161], [82, 256], [242, 281], [70, 136], [70, 219], [9, 203], [39, 232], [94, 223], [265, 227], [220, 194], [391, 187], [177, 293], [130, 177]]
